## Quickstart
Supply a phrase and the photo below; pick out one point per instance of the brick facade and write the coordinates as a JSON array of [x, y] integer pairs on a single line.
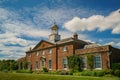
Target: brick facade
[[51, 54]]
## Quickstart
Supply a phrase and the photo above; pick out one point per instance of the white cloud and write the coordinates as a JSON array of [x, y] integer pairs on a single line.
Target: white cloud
[[12, 30], [116, 44], [100, 22], [13, 26]]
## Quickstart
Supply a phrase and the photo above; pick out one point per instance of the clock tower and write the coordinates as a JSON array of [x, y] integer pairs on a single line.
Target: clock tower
[[54, 36]]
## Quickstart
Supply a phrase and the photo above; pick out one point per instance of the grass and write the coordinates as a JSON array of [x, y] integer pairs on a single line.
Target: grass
[[23, 76]]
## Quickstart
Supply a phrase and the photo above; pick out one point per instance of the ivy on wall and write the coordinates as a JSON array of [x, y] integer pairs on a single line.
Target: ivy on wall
[[90, 61], [74, 63]]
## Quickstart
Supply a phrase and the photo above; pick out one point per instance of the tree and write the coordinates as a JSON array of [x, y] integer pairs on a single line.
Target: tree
[[8, 65], [14, 66], [25, 64], [90, 61], [74, 62]]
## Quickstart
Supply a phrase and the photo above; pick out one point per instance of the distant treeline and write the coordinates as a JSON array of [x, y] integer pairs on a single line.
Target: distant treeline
[[9, 65]]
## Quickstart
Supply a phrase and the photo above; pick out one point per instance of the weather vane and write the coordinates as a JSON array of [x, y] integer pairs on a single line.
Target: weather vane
[[53, 20]]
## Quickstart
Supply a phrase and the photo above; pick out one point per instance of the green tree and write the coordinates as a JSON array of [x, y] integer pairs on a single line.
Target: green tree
[[25, 64], [90, 61], [74, 62], [14, 66]]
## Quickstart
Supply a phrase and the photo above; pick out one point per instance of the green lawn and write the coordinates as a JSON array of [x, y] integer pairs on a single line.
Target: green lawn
[[21, 76]]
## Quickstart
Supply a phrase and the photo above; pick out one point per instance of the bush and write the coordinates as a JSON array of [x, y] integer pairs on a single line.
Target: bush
[[99, 73], [65, 72], [109, 72], [117, 73], [88, 73], [77, 74], [45, 70], [116, 66], [93, 73]]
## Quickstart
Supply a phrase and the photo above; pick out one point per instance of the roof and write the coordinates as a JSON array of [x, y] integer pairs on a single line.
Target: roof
[[54, 27], [70, 39], [41, 42], [63, 41], [91, 45]]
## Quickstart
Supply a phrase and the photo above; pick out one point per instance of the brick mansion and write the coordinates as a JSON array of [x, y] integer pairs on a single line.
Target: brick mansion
[[52, 54]]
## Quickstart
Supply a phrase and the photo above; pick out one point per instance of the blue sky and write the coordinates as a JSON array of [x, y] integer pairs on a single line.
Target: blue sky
[[23, 23]]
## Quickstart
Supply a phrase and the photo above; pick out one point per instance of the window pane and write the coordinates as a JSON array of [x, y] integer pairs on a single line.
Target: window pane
[[50, 64], [49, 50], [36, 64], [97, 60], [64, 63], [43, 63], [65, 48], [83, 62]]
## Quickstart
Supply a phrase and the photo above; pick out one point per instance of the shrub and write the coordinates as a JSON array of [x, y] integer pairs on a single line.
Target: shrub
[[65, 72], [99, 73], [117, 73], [116, 66], [88, 73], [77, 74], [109, 72], [93, 73], [45, 70]]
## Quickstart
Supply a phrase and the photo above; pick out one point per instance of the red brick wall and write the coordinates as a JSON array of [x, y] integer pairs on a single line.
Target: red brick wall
[[103, 51], [63, 54]]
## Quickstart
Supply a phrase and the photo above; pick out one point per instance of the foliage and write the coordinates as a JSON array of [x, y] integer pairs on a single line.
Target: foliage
[[99, 73], [90, 61], [74, 62], [45, 69], [65, 72], [117, 73], [116, 66], [14, 66], [88, 73], [7, 65], [25, 64]]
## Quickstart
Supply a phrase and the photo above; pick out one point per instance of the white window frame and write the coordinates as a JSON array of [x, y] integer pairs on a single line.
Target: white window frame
[[64, 48], [64, 62], [36, 65], [84, 63], [50, 51], [50, 64], [100, 61], [43, 63]]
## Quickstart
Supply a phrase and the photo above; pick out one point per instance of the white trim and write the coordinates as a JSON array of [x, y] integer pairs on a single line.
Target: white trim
[[64, 48], [100, 62], [49, 64]]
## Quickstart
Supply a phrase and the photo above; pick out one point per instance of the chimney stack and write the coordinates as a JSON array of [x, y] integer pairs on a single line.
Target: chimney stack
[[75, 36]]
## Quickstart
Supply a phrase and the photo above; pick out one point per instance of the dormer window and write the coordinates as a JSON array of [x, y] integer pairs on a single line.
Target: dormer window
[[49, 51], [65, 48]]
